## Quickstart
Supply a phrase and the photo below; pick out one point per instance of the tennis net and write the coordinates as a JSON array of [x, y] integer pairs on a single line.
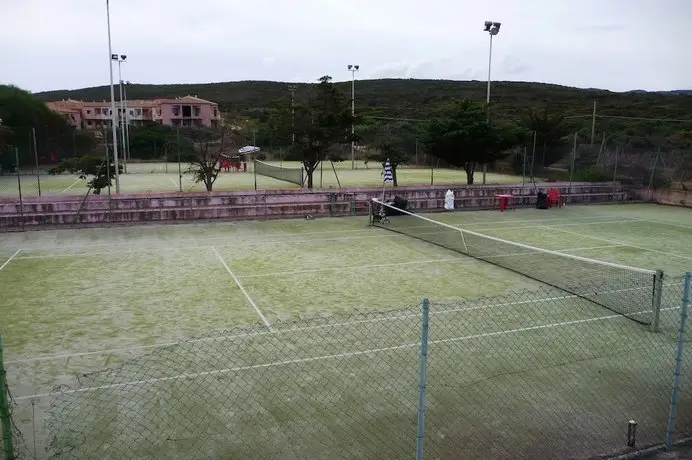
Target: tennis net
[[629, 291], [292, 175]]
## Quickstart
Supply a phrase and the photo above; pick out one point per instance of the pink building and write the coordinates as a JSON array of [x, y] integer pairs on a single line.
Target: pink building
[[182, 111]]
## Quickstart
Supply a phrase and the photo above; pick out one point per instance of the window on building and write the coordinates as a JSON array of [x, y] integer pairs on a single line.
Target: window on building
[[138, 112], [176, 110], [197, 110], [88, 111], [216, 112]]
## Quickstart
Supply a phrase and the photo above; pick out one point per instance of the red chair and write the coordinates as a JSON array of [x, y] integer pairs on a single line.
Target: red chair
[[554, 198]]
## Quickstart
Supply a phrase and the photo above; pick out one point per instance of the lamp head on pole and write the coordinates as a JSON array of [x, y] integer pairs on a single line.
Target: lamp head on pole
[[493, 28], [123, 57], [353, 68]]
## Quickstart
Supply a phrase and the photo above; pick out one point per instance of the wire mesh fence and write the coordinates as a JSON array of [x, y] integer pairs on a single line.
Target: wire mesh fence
[[532, 374]]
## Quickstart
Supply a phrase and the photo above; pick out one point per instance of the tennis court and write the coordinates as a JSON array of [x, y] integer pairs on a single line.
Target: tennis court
[[80, 300], [164, 177]]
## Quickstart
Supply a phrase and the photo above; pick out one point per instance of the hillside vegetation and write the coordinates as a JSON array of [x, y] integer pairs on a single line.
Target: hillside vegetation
[[638, 119]]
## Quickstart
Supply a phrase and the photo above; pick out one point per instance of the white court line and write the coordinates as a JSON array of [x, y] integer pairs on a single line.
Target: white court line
[[462, 258], [261, 239], [237, 241], [242, 289], [323, 357], [671, 224], [73, 184], [174, 182], [285, 331], [621, 243], [173, 248], [321, 326], [10, 259]]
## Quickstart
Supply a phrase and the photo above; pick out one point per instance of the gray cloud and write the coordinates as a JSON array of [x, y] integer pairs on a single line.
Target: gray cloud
[[614, 44]]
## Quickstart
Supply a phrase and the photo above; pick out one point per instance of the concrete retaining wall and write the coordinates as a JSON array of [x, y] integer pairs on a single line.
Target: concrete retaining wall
[[666, 196], [38, 212]]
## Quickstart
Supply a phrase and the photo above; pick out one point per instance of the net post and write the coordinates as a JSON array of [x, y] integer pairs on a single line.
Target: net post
[[370, 217], [656, 302], [678, 362], [420, 437], [254, 170]]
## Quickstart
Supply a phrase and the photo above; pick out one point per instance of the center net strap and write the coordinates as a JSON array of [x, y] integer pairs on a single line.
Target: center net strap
[[629, 291]]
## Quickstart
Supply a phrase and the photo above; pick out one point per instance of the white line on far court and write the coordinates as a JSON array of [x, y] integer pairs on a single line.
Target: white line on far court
[[10, 259], [174, 182], [405, 316], [350, 354], [73, 184], [621, 243], [242, 289], [466, 260]]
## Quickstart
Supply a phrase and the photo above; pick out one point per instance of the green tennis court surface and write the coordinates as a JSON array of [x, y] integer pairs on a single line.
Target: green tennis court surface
[[80, 300], [162, 177]]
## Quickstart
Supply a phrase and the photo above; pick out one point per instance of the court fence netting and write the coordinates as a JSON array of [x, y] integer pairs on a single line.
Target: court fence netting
[[531, 374]]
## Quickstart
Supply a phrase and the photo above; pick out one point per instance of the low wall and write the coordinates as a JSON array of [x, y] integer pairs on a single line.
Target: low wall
[[673, 197], [40, 212]]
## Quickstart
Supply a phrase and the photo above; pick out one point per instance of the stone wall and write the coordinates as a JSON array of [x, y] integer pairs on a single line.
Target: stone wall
[[673, 197], [51, 211]]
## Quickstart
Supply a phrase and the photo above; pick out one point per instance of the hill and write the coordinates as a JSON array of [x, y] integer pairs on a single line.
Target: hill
[[628, 117]]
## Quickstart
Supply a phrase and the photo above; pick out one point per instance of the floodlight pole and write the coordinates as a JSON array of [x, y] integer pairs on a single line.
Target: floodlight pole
[[493, 28], [122, 58], [353, 69], [292, 89], [111, 58], [127, 125]]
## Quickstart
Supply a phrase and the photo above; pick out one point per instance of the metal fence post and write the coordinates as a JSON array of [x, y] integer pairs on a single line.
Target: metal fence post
[[5, 414], [423, 374], [678, 362], [19, 187], [658, 292], [38, 174]]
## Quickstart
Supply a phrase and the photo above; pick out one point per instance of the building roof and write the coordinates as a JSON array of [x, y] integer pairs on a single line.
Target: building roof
[[185, 100], [73, 105]]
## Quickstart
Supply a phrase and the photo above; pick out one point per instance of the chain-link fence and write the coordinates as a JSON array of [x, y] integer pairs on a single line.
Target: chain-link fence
[[532, 374], [13, 445]]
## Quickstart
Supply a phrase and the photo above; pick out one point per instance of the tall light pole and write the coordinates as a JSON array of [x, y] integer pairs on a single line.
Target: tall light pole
[[353, 69], [493, 28], [127, 124], [122, 58], [292, 89], [113, 112]]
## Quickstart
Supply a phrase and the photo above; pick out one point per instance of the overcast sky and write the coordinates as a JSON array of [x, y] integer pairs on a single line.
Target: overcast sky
[[612, 44]]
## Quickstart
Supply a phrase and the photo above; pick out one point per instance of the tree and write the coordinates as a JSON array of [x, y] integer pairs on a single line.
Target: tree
[[209, 146], [24, 116], [319, 124], [462, 137], [86, 166], [550, 130], [388, 151]]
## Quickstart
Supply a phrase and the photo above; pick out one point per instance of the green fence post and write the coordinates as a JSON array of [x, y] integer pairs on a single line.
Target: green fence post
[[678, 362], [423, 375], [658, 292], [5, 417]]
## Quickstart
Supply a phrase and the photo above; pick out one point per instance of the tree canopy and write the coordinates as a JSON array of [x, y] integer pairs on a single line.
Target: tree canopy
[[317, 125], [462, 137], [25, 116]]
